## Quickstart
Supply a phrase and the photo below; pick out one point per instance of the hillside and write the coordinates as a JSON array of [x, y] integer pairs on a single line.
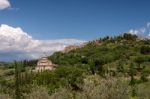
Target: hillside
[[106, 68], [109, 54]]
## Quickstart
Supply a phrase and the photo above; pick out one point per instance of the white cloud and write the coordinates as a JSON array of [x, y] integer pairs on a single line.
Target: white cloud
[[4, 4], [133, 31], [141, 31], [148, 25], [149, 35], [16, 42], [137, 31]]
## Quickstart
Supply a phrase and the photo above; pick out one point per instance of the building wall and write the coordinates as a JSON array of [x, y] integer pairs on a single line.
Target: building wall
[[44, 64], [39, 68]]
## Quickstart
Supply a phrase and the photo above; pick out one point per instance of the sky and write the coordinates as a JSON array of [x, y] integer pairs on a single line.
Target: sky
[[29, 28]]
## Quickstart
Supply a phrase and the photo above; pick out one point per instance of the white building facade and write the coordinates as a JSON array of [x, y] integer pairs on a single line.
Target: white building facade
[[44, 64]]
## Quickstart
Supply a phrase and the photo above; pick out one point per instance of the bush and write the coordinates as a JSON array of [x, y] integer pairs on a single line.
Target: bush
[[143, 91], [145, 49], [72, 77], [66, 76], [4, 96], [9, 73], [62, 93], [107, 89], [38, 93], [96, 88]]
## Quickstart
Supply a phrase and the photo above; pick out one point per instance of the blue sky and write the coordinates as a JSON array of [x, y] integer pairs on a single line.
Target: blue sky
[[29, 28], [80, 19]]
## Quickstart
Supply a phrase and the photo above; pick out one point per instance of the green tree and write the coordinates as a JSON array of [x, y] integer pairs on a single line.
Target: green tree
[[139, 60], [129, 36], [17, 80], [144, 75], [120, 67], [70, 76], [145, 49], [132, 72]]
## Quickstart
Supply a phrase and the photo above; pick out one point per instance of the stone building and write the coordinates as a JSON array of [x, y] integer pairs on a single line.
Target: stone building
[[70, 48], [44, 64], [73, 47]]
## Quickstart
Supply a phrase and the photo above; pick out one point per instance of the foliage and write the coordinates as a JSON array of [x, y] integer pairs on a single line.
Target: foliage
[[38, 92], [17, 80], [107, 68], [143, 91], [129, 36], [96, 88], [145, 50]]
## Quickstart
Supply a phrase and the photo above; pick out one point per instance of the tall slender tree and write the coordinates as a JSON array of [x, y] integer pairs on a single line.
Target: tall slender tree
[[17, 80]]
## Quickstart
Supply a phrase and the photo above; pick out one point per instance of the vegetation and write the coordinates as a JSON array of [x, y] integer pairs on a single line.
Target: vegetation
[[108, 68]]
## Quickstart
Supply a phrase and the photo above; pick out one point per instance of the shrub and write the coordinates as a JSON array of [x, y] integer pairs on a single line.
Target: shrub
[[72, 77], [96, 88], [62, 93], [107, 89], [145, 49], [9, 73], [38, 93], [143, 91], [4, 96]]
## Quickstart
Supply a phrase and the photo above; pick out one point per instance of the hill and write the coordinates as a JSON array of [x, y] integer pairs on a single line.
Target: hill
[[109, 54], [107, 68]]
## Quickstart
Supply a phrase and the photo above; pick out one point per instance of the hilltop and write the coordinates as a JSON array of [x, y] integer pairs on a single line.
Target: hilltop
[[113, 54]]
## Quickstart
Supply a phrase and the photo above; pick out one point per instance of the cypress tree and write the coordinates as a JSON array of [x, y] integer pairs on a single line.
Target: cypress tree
[[17, 81], [132, 72]]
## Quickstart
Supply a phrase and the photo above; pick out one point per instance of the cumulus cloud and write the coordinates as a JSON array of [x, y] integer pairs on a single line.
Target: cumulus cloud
[[144, 31], [137, 31], [15, 43], [4, 4]]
